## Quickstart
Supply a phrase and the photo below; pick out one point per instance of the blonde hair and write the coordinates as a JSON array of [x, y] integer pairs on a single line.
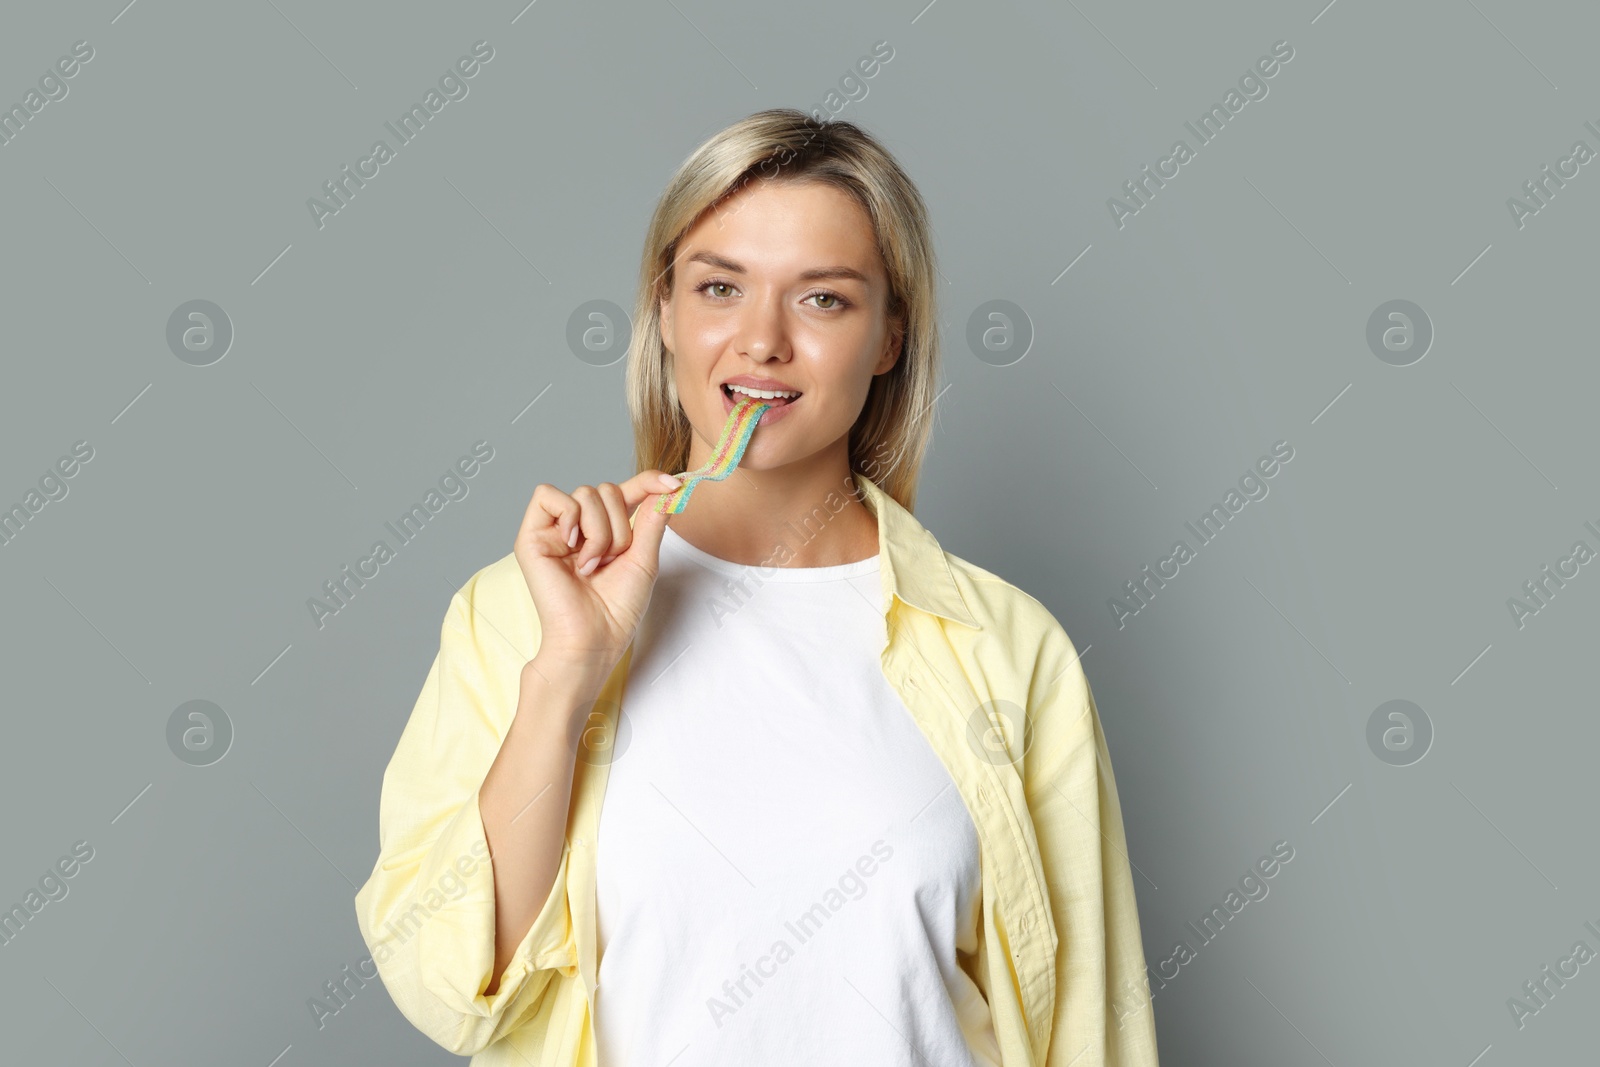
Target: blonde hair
[[888, 441]]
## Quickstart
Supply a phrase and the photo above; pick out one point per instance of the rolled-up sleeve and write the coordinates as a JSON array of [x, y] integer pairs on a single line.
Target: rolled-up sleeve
[[427, 912], [1103, 1010]]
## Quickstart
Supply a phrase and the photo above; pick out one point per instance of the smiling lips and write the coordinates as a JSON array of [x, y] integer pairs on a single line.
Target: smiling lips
[[780, 405]]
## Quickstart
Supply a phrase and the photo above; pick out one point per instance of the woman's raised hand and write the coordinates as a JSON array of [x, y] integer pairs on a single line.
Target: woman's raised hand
[[589, 571]]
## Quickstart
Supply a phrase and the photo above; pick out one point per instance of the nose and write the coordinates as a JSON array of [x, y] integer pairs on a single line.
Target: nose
[[761, 334]]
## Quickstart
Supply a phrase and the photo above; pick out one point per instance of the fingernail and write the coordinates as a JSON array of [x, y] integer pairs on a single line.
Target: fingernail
[[572, 538], [671, 481], [588, 568]]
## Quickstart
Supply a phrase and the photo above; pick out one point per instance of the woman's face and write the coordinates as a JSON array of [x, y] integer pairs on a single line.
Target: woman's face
[[780, 287]]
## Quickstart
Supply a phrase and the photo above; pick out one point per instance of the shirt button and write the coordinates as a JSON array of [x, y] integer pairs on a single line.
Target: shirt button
[[911, 683], [577, 842], [983, 792]]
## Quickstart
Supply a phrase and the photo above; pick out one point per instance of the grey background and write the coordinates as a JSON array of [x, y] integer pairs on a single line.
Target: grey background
[[1228, 314]]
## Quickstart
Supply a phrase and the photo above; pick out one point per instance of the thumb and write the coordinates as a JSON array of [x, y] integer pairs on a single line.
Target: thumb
[[649, 526]]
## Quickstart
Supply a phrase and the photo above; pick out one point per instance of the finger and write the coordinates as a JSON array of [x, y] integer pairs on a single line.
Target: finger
[[648, 529], [644, 483], [550, 515], [617, 512], [595, 522]]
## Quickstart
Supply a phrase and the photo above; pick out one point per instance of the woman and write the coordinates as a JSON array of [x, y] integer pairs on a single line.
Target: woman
[[860, 808]]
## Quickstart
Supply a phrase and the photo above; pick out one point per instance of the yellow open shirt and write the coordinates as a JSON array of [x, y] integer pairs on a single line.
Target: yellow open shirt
[[1059, 960]]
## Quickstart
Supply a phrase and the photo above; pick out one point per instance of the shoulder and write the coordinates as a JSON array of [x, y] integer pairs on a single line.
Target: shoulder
[[1022, 638], [1008, 610], [494, 609], [1021, 647]]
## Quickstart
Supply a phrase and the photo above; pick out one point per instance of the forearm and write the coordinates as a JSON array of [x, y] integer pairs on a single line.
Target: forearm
[[527, 792]]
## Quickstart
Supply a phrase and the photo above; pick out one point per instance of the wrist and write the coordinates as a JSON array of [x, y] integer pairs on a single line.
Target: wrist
[[568, 678]]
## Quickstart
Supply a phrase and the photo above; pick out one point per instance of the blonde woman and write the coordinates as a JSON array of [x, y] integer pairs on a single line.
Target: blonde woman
[[774, 780]]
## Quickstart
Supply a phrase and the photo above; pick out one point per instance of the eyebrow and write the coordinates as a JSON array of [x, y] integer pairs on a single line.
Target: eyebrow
[[815, 273]]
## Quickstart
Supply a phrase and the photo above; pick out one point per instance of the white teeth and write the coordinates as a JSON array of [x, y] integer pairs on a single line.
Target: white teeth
[[760, 394]]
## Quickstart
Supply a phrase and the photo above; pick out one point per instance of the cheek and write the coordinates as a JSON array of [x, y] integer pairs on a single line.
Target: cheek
[[701, 336]]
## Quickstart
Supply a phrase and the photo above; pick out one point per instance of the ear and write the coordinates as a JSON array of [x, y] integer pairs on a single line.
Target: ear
[[892, 347], [666, 316]]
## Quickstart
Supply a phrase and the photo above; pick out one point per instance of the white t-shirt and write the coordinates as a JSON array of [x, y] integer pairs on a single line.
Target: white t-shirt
[[784, 868]]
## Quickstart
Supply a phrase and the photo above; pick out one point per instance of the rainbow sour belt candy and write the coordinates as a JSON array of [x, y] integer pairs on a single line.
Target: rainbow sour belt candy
[[747, 411]]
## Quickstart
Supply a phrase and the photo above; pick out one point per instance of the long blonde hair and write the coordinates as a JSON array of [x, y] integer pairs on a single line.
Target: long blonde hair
[[888, 441]]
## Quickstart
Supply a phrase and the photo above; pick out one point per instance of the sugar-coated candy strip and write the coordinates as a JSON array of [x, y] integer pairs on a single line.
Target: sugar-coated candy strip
[[736, 433]]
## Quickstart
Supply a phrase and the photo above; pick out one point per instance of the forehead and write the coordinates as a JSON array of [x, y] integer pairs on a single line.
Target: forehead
[[787, 227]]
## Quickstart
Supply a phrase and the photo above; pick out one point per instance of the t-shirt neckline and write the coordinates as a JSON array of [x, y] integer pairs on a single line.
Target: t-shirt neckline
[[769, 573]]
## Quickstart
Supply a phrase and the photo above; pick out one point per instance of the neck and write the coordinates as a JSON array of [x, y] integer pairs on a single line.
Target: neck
[[796, 516]]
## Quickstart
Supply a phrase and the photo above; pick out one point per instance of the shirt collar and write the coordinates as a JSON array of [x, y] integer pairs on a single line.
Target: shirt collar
[[912, 562]]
